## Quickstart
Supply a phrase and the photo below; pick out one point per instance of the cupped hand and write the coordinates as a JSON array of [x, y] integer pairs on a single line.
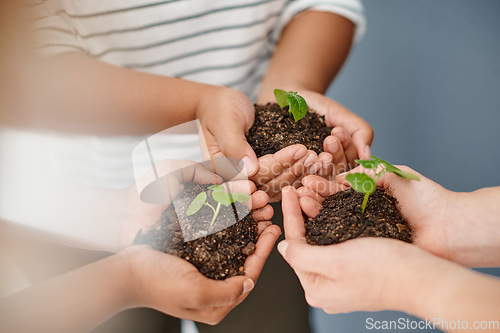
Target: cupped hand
[[435, 214], [142, 215], [364, 274], [286, 167], [175, 287], [225, 117], [351, 137]]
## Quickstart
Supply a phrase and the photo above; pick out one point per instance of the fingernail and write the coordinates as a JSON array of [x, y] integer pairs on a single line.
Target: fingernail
[[248, 286], [333, 144], [310, 161], [367, 152], [315, 168], [282, 248], [300, 153], [248, 165]]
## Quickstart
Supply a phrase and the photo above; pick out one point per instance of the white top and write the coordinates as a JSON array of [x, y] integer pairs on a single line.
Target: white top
[[222, 42]]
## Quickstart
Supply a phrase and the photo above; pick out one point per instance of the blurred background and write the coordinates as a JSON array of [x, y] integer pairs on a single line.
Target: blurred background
[[426, 76]]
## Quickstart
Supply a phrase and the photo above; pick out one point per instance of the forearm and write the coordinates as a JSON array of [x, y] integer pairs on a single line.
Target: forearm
[[474, 235], [76, 93], [441, 291], [309, 54], [74, 302]]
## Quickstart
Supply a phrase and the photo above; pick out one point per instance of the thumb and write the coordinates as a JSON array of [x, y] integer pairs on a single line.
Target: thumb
[[229, 291], [227, 138], [362, 139]]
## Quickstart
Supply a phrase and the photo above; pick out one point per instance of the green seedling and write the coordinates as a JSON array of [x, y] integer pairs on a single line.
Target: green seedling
[[296, 103], [220, 196], [365, 184]]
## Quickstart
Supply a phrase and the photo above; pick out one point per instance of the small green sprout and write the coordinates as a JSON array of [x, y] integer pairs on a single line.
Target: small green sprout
[[365, 184], [296, 103], [220, 196]]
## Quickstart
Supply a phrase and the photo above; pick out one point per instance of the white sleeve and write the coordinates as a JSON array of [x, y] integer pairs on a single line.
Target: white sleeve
[[350, 9], [53, 30]]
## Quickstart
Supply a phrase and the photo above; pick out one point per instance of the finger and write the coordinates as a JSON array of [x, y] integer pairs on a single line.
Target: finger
[[289, 176], [310, 206], [304, 257], [322, 186], [333, 146], [312, 162], [240, 186], [255, 262], [307, 192], [259, 200], [359, 130], [327, 166], [262, 225], [350, 151], [273, 165], [263, 214], [219, 293], [225, 136], [293, 222]]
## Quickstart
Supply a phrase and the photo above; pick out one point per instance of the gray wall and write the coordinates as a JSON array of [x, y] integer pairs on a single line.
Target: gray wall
[[426, 76]]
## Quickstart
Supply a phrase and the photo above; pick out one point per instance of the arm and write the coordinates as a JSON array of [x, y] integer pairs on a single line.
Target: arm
[[374, 274], [462, 227], [136, 277], [309, 54], [88, 96]]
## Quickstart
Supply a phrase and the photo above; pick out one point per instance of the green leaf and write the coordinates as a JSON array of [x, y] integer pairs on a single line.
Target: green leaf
[[302, 111], [216, 188], [368, 164], [280, 97], [240, 197], [361, 182], [297, 104], [196, 204], [222, 198], [294, 105], [391, 168]]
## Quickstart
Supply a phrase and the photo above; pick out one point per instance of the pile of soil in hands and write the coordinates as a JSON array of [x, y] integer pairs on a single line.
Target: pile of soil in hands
[[341, 219], [217, 256], [274, 130]]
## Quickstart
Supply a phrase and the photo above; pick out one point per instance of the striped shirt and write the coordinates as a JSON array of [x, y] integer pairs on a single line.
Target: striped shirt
[[221, 42]]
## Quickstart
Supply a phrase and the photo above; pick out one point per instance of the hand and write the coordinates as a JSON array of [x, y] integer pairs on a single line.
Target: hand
[[351, 137], [443, 222], [175, 287], [225, 117], [173, 174], [365, 274], [286, 167]]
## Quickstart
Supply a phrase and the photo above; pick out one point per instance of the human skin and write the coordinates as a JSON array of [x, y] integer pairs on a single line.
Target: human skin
[[373, 274], [309, 54], [109, 100], [139, 276], [461, 227]]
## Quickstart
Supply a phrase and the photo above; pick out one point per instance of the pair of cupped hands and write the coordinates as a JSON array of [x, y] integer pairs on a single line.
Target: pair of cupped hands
[[361, 274]]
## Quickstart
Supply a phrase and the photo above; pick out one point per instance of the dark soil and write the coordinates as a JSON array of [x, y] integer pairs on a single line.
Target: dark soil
[[341, 219], [274, 130], [219, 255]]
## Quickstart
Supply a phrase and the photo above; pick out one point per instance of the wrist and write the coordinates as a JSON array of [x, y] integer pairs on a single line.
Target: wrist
[[414, 282], [128, 295]]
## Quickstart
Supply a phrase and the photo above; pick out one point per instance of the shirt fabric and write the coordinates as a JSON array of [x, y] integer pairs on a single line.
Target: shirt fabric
[[221, 42]]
